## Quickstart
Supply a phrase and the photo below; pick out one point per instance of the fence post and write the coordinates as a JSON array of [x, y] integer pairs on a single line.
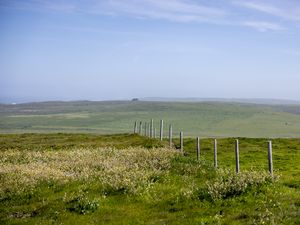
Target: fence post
[[145, 131], [151, 129], [154, 133], [181, 141], [140, 128], [237, 156], [270, 159], [170, 136], [198, 148], [135, 127], [161, 129], [215, 154]]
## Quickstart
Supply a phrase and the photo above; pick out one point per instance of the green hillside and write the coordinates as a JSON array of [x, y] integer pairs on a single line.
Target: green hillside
[[129, 179], [194, 119]]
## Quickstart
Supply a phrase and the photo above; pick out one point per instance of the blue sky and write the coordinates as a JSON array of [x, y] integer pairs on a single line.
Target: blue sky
[[120, 49]]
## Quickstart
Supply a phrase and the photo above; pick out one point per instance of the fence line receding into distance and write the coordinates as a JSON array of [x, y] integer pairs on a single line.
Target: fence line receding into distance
[[150, 131]]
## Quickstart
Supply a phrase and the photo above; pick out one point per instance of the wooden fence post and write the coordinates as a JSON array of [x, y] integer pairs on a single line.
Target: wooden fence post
[[154, 133], [270, 158], [135, 127], [215, 154], [181, 141], [145, 130], [151, 129], [198, 148], [170, 136], [140, 128], [161, 130], [237, 156]]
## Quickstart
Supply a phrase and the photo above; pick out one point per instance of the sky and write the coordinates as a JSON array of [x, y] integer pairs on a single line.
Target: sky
[[123, 49]]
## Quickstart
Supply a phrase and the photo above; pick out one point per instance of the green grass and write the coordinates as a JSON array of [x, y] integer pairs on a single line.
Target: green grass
[[194, 119], [178, 195], [60, 141]]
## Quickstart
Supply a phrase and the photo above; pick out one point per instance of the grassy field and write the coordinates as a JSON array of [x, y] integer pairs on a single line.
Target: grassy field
[[194, 119], [129, 179]]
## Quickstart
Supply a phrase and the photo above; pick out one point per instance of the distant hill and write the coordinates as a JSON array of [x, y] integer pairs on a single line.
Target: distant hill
[[264, 101], [206, 119]]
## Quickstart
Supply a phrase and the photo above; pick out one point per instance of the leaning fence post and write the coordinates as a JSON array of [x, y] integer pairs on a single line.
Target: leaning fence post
[[170, 136], [270, 159], [237, 156], [198, 148], [135, 127], [161, 130], [215, 154], [181, 141]]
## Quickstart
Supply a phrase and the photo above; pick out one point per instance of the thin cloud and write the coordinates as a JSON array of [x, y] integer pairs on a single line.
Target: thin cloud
[[223, 13], [186, 12], [288, 10], [171, 10], [102, 30], [39, 5], [263, 26]]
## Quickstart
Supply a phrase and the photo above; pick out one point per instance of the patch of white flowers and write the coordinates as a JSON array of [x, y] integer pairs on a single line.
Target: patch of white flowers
[[129, 170], [228, 183]]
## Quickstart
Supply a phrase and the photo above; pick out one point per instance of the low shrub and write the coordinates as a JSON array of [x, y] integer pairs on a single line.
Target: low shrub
[[82, 205], [228, 184]]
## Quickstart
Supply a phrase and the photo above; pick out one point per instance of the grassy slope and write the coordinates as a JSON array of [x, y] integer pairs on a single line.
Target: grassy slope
[[169, 200], [194, 119]]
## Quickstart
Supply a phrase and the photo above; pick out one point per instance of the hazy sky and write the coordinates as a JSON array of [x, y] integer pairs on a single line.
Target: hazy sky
[[120, 49]]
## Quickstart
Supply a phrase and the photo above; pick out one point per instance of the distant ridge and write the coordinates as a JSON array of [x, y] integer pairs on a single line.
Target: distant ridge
[[263, 101], [260, 101]]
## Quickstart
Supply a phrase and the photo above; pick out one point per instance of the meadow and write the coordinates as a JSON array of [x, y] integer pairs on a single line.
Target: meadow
[[130, 179], [204, 119], [79, 163]]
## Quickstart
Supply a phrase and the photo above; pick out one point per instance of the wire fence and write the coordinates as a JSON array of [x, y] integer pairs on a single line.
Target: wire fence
[[149, 130]]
